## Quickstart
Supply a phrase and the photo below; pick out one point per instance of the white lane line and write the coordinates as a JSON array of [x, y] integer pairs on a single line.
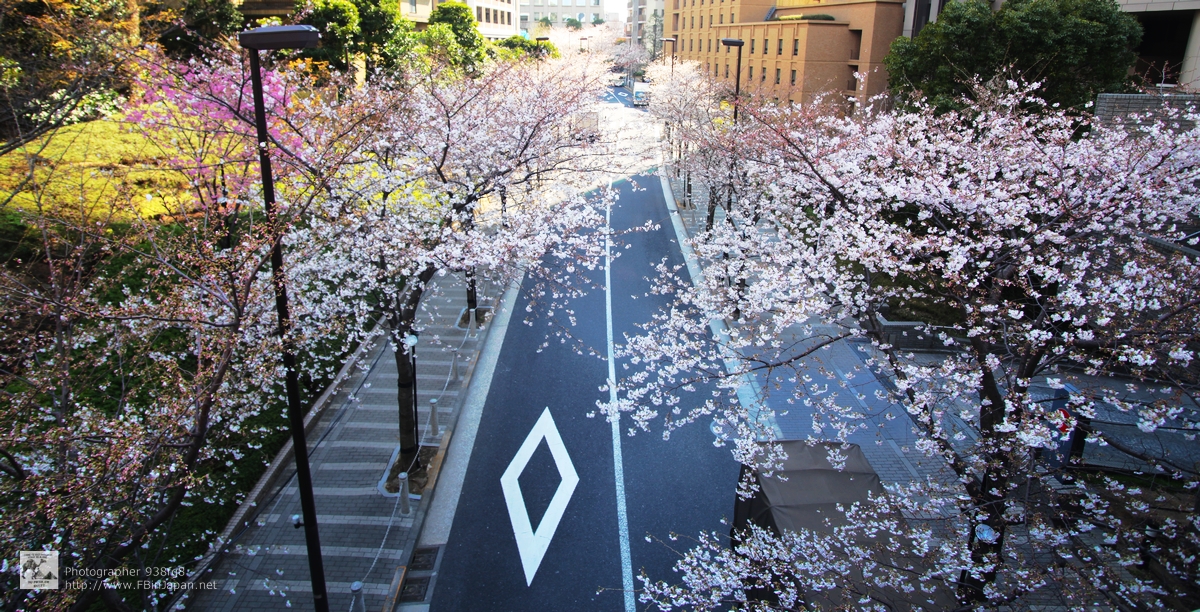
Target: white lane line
[[615, 420]]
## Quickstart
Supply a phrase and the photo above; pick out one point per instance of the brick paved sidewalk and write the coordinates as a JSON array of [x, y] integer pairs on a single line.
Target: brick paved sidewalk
[[364, 534]]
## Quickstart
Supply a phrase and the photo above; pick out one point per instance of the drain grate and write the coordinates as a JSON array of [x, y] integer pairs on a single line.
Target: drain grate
[[414, 589], [423, 559]]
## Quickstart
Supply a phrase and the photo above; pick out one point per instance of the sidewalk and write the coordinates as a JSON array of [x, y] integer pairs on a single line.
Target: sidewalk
[[365, 535], [888, 443], [889, 447]]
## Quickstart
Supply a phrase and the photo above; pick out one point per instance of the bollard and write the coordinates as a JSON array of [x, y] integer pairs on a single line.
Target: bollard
[[404, 502], [434, 431], [472, 330], [358, 603], [454, 367]]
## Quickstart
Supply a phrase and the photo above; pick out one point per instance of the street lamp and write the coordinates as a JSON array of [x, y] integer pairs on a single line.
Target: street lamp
[[737, 78], [272, 38], [581, 41], [671, 39]]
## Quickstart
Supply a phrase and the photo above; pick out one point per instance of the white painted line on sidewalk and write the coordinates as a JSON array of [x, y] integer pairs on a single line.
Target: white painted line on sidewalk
[[615, 420], [436, 531]]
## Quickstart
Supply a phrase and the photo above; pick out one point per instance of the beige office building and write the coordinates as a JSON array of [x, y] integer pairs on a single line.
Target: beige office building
[[786, 53], [789, 55]]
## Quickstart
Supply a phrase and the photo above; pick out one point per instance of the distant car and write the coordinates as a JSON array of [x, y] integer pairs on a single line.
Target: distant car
[[641, 94], [618, 80]]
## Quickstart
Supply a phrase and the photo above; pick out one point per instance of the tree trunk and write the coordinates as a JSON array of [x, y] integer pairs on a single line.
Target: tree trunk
[[400, 321], [992, 491], [713, 196], [472, 297]]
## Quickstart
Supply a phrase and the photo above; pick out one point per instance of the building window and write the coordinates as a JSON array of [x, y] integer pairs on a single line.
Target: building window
[[524, 16], [780, 47], [487, 15], [777, 71], [722, 19], [730, 16], [537, 15], [852, 81], [727, 71], [763, 78], [751, 46], [793, 77], [855, 43], [710, 45], [693, 22], [478, 13], [751, 77], [795, 46], [766, 46], [553, 16], [690, 46]]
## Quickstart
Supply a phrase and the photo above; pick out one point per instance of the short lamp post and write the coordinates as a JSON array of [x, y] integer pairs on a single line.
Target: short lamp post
[[671, 39], [583, 39], [272, 38], [737, 77], [541, 52]]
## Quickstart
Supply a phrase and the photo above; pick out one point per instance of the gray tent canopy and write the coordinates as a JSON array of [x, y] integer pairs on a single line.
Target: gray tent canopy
[[808, 499], [813, 489]]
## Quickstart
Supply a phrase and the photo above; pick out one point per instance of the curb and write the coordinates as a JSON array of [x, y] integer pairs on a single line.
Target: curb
[[750, 391]]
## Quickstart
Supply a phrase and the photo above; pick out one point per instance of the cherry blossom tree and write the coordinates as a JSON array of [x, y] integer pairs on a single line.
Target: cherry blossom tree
[[141, 357], [461, 174], [1047, 244]]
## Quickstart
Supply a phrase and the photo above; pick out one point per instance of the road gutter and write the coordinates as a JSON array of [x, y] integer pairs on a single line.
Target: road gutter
[[749, 392]]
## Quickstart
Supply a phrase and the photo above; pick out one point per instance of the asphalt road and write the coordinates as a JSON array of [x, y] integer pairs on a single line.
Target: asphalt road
[[682, 486], [618, 95]]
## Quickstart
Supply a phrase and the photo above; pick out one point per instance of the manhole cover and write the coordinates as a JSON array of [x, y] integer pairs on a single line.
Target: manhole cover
[[423, 559], [414, 589]]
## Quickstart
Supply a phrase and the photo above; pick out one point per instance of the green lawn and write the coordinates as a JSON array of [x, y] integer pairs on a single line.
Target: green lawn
[[96, 168]]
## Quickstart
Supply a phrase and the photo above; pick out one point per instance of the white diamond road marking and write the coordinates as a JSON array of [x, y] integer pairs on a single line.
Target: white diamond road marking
[[533, 544]]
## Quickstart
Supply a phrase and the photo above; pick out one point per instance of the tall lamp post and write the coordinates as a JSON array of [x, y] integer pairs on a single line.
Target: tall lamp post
[[671, 39], [272, 38], [737, 78]]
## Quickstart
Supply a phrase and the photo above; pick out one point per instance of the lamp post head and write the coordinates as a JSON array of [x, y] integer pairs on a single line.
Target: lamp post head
[[542, 38], [280, 37], [670, 39], [732, 42]]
